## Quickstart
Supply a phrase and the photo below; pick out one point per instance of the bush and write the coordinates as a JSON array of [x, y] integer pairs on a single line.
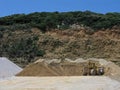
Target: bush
[[50, 20], [40, 53], [1, 34]]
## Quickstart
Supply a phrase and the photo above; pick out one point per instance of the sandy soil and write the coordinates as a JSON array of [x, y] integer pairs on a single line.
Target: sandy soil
[[60, 83]]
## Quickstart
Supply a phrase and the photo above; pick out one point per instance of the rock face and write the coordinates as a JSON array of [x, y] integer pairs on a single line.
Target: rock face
[[67, 67], [7, 68]]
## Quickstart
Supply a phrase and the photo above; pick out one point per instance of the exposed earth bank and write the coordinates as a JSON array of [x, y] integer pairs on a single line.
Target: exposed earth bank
[[28, 45]]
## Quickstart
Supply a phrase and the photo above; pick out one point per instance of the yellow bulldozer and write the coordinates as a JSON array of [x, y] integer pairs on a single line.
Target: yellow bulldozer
[[92, 69]]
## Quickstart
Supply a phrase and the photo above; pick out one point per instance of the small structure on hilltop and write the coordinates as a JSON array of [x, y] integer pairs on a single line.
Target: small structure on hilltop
[[77, 26]]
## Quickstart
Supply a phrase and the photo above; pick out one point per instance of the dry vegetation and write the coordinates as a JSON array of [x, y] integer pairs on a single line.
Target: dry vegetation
[[25, 46]]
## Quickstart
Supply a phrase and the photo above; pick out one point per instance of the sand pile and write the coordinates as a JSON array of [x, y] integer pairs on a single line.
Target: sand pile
[[53, 67], [7, 68], [68, 67]]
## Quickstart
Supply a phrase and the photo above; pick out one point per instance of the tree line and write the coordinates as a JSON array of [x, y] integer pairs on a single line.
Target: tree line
[[51, 20]]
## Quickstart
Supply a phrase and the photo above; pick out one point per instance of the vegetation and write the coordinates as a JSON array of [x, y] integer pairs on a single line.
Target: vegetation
[[50, 20], [24, 47], [22, 43]]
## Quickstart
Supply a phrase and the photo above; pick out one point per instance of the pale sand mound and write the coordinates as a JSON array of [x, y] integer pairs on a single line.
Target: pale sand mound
[[60, 83], [67, 67], [7, 68]]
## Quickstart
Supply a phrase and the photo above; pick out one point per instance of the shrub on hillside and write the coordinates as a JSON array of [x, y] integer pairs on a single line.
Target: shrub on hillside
[[50, 20]]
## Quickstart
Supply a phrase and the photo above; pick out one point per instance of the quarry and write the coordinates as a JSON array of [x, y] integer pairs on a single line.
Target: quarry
[[60, 60], [57, 74], [77, 50]]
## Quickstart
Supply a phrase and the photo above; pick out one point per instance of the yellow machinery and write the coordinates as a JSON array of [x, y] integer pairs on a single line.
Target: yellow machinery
[[93, 69]]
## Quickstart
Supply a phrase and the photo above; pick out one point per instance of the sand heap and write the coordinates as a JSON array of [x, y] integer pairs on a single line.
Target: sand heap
[[7, 68], [67, 67]]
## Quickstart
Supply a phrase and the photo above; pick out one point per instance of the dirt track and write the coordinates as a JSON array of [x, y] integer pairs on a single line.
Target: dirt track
[[60, 83]]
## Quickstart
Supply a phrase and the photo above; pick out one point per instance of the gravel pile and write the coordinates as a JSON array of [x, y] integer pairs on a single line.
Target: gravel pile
[[7, 68]]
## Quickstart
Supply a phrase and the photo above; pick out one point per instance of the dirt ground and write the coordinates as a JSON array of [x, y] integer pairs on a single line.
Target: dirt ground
[[60, 83]]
